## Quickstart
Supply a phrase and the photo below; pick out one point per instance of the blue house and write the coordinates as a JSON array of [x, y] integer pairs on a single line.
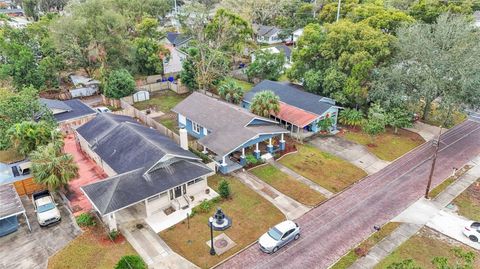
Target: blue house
[[300, 111], [227, 131]]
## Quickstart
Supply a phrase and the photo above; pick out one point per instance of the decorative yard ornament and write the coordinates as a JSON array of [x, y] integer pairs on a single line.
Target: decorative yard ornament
[[222, 222]]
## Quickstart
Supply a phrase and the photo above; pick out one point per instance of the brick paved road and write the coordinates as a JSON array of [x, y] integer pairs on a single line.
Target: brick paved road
[[336, 226]]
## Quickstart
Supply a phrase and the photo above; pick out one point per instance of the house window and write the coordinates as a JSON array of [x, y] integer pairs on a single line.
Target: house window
[[184, 189], [199, 179], [191, 183], [195, 127], [163, 194], [171, 194]]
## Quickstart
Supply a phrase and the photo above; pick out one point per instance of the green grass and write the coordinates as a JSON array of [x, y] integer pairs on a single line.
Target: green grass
[[423, 247], [288, 185], [347, 260], [92, 250], [437, 116], [283, 78], [168, 122], [323, 168], [447, 182], [163, 101], [468, 202], [10, 156], [247, 86], [387, 146], [251, 214]]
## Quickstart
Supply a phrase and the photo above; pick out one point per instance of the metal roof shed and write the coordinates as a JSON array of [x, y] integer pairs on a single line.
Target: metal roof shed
[[10, 204]]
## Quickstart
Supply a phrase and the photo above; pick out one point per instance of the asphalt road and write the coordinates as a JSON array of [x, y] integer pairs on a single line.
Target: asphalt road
[[335, 227]]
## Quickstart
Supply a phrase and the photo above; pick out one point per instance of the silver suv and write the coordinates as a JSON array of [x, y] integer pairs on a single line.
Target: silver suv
[[279, 236]]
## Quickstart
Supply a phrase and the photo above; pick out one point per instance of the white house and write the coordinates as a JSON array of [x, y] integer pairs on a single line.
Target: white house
[[296, 35], [269, 34]]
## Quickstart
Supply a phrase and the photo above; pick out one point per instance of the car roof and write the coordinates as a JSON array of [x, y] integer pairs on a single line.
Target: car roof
[[285, 226], [43, 201]]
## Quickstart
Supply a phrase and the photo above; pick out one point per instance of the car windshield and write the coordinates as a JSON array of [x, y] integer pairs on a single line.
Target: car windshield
[[275, 233], [45, 207]]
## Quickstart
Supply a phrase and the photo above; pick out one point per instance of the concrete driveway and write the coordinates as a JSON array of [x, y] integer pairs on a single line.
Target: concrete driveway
[[452, 226], [23, 249], [352, 152]]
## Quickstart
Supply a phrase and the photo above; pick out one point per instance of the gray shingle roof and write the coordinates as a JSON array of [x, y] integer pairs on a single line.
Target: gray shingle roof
[[135, 152], [129, 188], [285, 49], [226, 122], [291, 95], [267, 31], [126, 145], [177, 39], [73, 109]]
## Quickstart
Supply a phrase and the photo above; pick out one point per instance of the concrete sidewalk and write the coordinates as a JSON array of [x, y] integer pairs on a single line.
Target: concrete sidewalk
[[425, 212], [289, 207], [301, 178], [153, 250], [426, 131], [352, 152]]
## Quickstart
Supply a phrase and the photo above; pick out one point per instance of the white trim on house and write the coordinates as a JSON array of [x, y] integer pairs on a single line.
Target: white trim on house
[[182, 119], [195, 127]]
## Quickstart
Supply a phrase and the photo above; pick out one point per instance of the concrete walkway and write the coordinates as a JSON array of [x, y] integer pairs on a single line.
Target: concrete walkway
[[153, 250], [301, 178], [424, 212], [352, 152], [426, 131], [289, 207]]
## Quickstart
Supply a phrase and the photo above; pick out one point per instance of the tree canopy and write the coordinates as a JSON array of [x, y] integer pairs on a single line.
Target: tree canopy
[[119, 84], [267, 65], [264, 103], [438, 61], [336, 60]]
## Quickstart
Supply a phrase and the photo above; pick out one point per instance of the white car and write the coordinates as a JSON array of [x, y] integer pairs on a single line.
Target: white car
[[472, 231], [46, 208], [102, 109], [279, 236]]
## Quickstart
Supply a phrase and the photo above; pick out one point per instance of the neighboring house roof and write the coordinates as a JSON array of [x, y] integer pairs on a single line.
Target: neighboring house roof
[[295, 116], [292, 95], [68, 109], [10, 201], [177, 39], [79, 80], [267, 31], [174, 63], [145, 161], [11, 11], [285, 49], [228, 125]]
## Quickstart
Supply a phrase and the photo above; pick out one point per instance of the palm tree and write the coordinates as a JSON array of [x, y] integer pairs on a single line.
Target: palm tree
[[264, 103], [52, 167], [351, 117], [231, 91]]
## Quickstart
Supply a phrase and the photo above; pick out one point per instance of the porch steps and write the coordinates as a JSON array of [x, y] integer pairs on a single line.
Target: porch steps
[[184, 204]]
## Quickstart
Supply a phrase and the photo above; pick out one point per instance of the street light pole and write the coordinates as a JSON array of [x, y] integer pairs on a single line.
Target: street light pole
[[212, 249], [436, 143], [338, 9]]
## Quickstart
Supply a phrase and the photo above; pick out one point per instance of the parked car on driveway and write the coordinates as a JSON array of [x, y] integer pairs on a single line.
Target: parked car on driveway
[[472, 231], [278, 236], [45, 208], [102, 109]]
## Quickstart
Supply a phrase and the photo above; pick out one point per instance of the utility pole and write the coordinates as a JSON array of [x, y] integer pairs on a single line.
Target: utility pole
[[314, 8], [436, 144], [338, 9]]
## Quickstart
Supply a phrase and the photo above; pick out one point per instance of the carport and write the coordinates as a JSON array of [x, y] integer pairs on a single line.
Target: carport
[[11, 207]]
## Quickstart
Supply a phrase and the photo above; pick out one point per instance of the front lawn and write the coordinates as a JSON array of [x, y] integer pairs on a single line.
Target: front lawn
[[423, 247], [251, 214], [449, 181], [323, 168], [468, 202], [354, 254], [387, 146], [163, 101], [92, 249], [288, 185]]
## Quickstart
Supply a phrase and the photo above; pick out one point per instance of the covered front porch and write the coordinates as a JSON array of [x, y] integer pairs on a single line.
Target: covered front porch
[[236, 159], [160, 216]]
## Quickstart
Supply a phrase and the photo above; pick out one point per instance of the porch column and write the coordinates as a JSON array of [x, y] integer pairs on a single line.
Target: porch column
[[147, 210], [112, 222], [204, 150], [270, 146], [282, 142], [242, 158], [257, 151], [223, 166], [224, 163]]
